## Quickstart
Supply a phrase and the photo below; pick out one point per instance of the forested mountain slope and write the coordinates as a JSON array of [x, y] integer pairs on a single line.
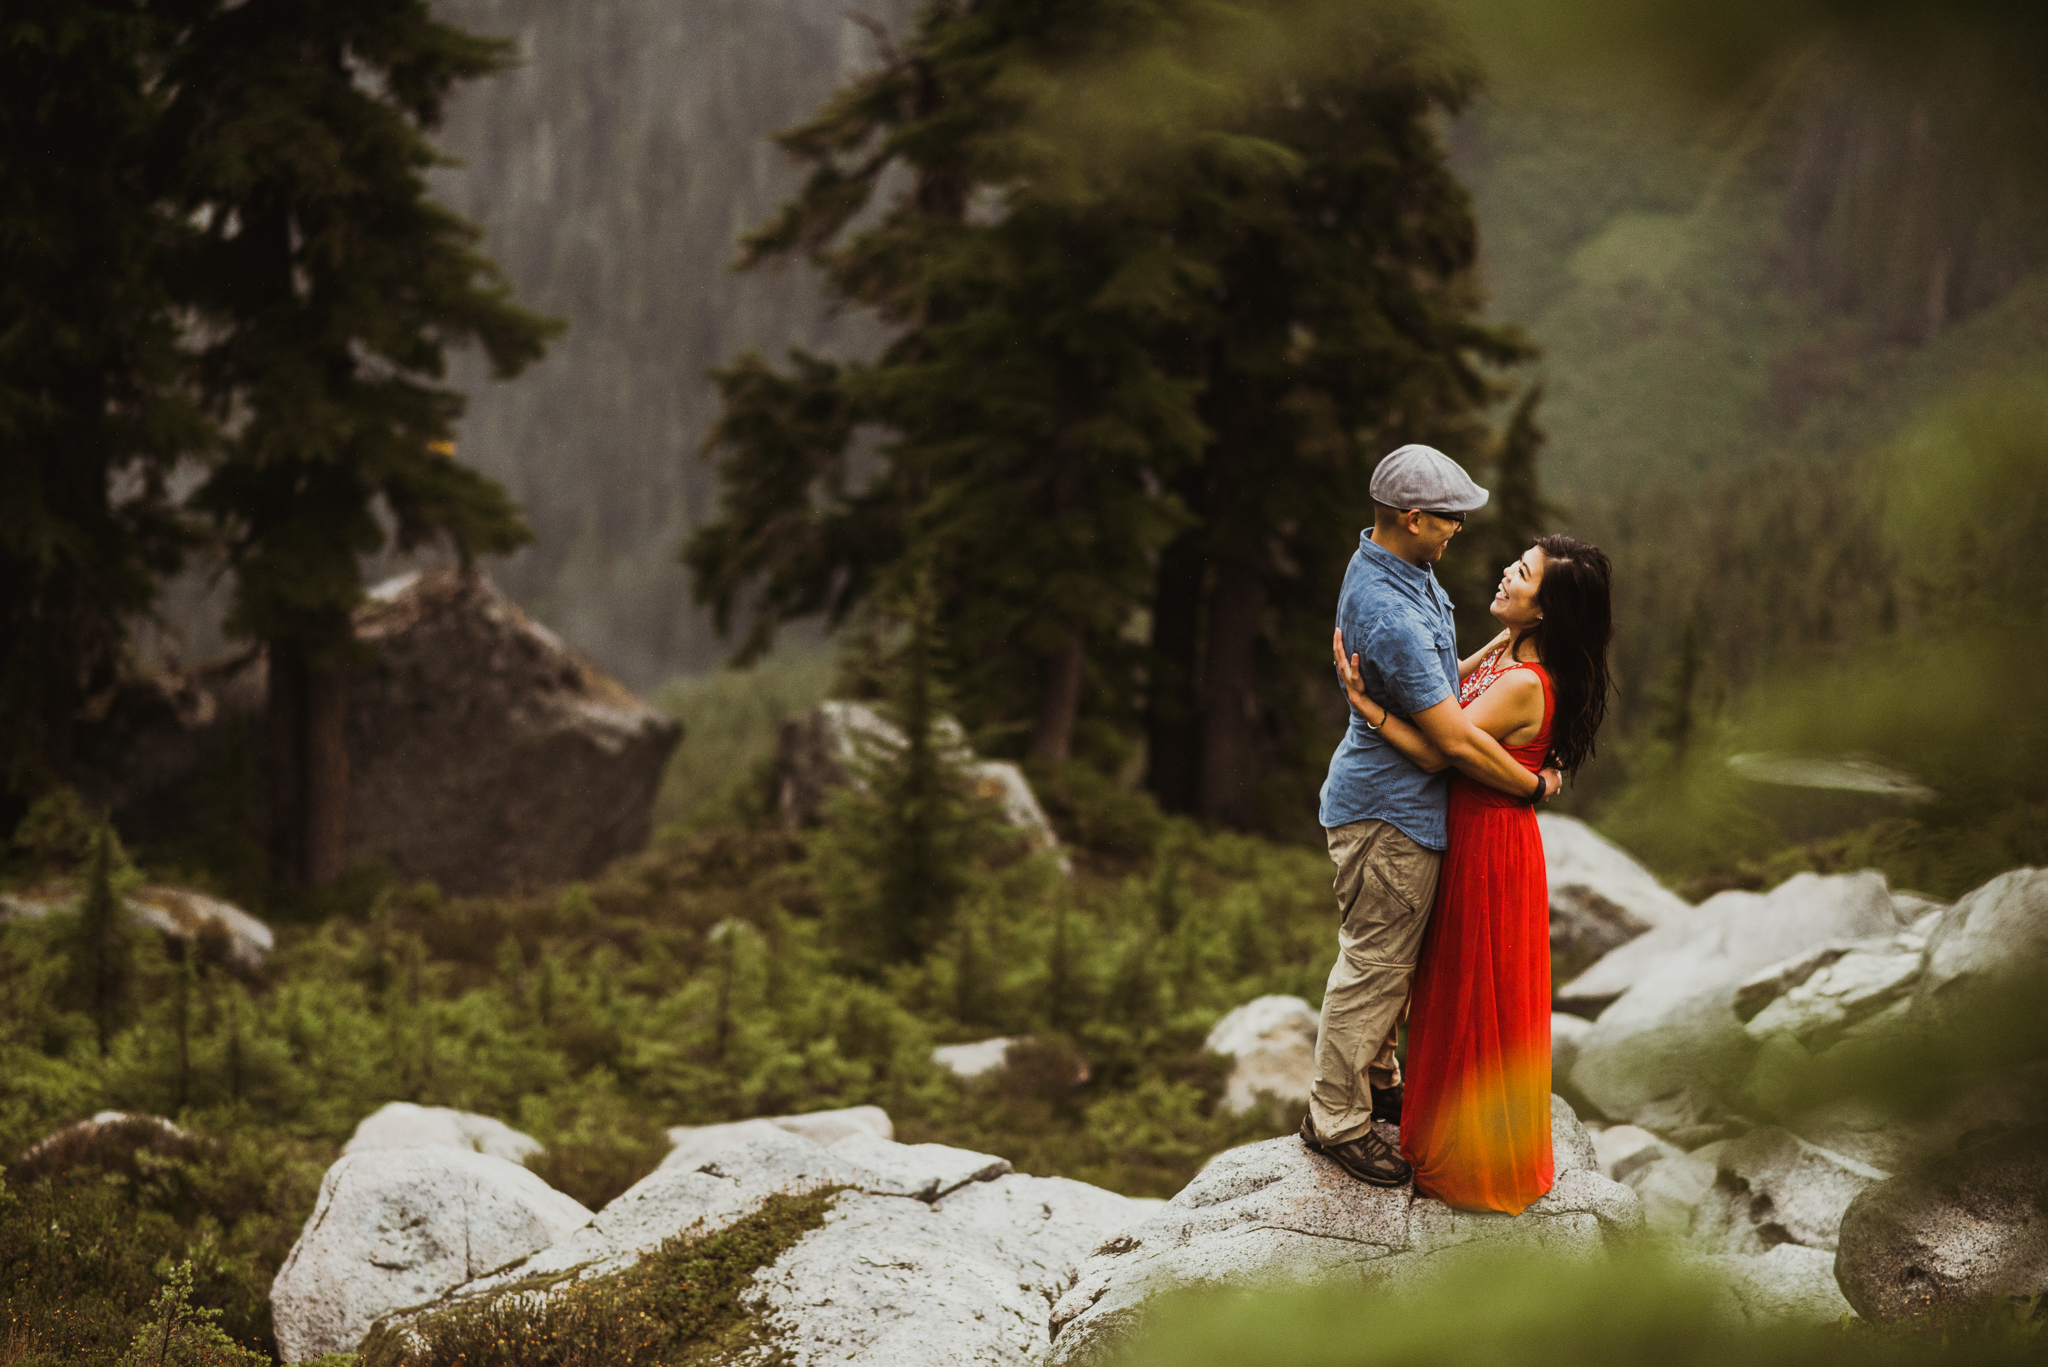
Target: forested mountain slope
[[612, 176]]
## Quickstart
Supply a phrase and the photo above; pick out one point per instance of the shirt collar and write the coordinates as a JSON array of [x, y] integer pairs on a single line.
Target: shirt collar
[[1417, 575]]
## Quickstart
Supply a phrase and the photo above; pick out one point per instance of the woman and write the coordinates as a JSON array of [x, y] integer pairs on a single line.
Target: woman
[[1476, 1115]]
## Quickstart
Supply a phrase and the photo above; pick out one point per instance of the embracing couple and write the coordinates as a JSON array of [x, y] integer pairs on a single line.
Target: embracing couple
[[1440, 876]]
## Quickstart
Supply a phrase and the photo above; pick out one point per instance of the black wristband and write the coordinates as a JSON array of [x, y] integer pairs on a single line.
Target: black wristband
[[1542, 785]]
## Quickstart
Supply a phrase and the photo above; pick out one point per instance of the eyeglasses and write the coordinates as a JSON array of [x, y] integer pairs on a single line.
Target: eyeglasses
[[1458, 518]]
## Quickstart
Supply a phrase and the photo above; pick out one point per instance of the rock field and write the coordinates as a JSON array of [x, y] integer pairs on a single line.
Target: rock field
[[1701, 1020]]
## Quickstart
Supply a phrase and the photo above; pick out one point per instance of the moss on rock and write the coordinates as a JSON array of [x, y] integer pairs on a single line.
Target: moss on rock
[[688, 1302]]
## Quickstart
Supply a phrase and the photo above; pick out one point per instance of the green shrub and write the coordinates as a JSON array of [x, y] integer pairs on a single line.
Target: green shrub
[[176, 1334]]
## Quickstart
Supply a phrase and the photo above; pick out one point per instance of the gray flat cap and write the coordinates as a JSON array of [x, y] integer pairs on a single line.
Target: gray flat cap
[[1424, 477]]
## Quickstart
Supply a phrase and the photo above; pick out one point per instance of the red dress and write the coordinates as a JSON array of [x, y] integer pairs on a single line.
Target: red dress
[[1475, 1112]]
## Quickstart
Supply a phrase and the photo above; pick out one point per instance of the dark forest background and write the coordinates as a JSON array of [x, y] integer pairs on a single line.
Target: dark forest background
[[1743, 291]]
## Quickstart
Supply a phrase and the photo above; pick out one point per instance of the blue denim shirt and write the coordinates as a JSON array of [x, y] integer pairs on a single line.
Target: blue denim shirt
[[1397, 620]]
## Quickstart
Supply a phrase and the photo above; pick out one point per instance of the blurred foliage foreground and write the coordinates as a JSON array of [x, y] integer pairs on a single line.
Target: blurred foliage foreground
[[1484, 1312]]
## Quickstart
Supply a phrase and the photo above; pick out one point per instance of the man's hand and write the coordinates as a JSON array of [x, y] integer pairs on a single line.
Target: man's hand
[[1354, 681]]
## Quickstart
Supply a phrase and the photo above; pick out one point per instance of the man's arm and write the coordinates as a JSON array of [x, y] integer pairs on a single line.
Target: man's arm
[[1471, 751]]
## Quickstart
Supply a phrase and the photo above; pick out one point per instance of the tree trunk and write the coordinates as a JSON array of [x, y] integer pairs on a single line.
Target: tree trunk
[[286, 708], [1230, 715], [1173, 731], [308, 717], [1054, 738], [326, 775]]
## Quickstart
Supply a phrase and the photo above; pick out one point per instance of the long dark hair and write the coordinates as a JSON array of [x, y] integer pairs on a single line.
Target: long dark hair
[[1576, 628]]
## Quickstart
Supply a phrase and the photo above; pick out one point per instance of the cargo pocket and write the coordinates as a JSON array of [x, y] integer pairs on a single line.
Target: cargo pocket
[[1405, 869]]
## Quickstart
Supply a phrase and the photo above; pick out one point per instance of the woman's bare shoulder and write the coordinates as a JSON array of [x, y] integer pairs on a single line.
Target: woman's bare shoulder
[[1515, 683]]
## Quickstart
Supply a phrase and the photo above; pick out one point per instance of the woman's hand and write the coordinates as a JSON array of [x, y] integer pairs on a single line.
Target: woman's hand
[[1354, 684]]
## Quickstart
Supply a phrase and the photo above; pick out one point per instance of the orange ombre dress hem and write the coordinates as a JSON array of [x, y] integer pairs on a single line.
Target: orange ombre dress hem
[[1476, 1104]]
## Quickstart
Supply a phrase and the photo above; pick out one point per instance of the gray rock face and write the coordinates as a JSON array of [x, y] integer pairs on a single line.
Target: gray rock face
[[572, 163], [179, 914], [483, 752], [1276, 1210], [757, 1160], [1998, 931], [977, 1057], [1272, 1041], [1793, 1191], [1600, 897], [1845, 986], [1669, 1046], [402, 1125], [1567, 1035], [923, 1172], [694, 1143], [1788, 1284], [1622, 1150], [1964, 1235], [183, 914], [971, 1278], [820, 751], [106, 1139], [1675, 1191], [399, 1227]]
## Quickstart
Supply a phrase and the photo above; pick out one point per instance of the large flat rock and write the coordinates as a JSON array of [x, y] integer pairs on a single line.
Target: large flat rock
[[1275, 1210]]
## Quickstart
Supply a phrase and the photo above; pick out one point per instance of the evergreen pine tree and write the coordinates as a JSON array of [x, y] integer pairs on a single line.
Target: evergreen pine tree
[[1166, 279], [331, 286], [92, 418], [901, 847], [102, 941]]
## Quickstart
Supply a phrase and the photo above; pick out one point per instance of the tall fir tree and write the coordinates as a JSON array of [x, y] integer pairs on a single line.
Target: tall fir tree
[[1024, 399], [92, 416], [1166, 278], [102, 940], [331, 286], [899, 851]]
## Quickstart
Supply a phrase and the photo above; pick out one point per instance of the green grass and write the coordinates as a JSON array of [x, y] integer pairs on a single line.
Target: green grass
[[730, 720]]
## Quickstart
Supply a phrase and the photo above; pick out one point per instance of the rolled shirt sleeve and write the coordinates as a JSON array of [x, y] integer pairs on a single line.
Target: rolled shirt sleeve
[[1409, 662]]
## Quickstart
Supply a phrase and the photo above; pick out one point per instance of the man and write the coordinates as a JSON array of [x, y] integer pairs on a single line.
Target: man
[[1384, 817]]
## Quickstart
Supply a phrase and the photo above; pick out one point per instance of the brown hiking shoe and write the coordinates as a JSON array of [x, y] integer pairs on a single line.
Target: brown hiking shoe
[[1369, 1158]]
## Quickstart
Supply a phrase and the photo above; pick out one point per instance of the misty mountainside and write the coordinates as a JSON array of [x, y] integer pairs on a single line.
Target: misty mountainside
[[1741, 305], [612, 175]]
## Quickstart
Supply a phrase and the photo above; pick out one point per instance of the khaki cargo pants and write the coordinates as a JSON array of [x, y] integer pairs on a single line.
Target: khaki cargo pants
[[1385, 886]]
